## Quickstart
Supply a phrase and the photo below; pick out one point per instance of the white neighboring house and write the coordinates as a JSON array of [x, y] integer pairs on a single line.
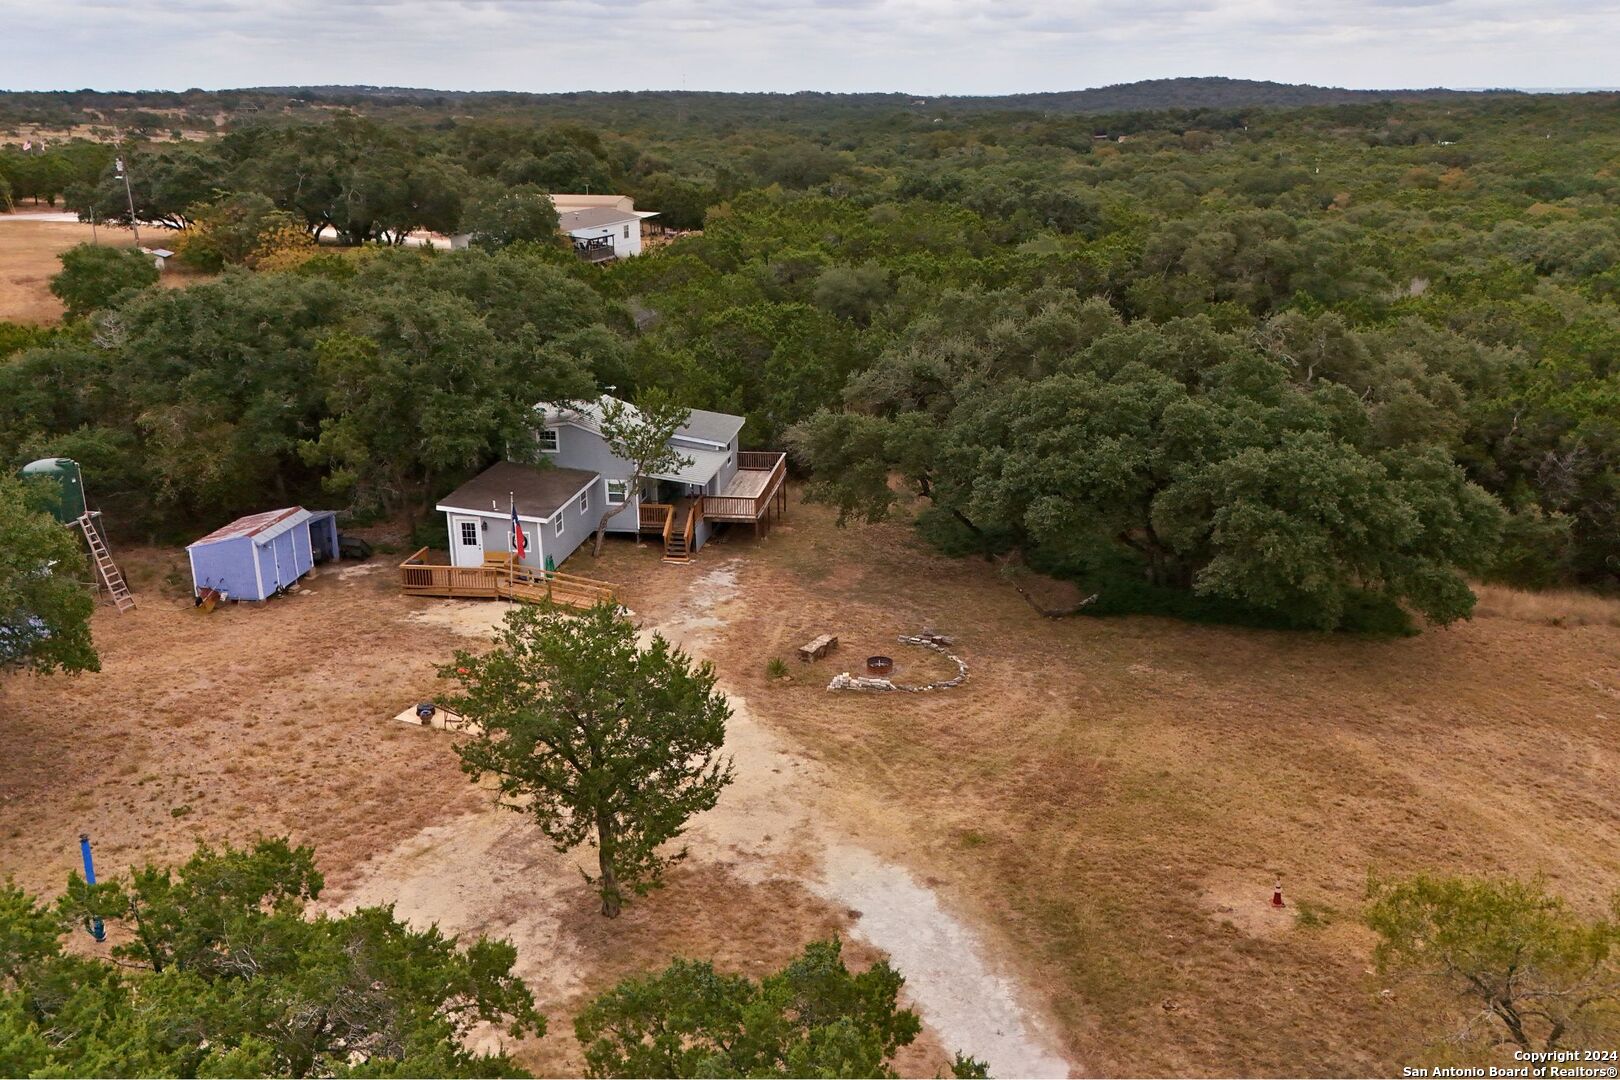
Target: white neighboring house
[[602, 227], [560, 506], [601, 233]]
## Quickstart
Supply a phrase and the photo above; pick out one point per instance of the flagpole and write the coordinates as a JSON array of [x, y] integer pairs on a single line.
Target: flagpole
[[511, 554]]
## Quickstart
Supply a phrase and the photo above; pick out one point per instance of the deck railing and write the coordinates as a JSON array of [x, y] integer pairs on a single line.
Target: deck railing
[[419, 577], [737, 508], [653, 516], [694, 514]]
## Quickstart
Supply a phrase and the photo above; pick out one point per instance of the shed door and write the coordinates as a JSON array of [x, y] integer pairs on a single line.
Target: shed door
[[466, 541]]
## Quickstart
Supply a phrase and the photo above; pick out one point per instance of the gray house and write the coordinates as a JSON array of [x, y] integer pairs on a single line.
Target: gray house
[[720, 485], [557, 509]]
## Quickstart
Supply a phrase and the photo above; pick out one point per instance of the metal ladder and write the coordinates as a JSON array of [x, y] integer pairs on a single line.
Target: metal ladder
[[108, 570]]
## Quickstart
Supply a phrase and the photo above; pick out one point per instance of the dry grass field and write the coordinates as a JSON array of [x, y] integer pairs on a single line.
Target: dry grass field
[[28, 259], [1106, 802]]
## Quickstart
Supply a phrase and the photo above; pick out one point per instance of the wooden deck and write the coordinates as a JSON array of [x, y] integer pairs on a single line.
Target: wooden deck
[[747, 484], [758, 487], [499, 579]]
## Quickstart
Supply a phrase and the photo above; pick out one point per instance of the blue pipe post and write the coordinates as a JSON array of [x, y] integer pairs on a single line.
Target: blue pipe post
[[97, 931]]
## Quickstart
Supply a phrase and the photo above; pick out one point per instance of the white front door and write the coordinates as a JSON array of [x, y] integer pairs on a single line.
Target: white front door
[[466, 541]]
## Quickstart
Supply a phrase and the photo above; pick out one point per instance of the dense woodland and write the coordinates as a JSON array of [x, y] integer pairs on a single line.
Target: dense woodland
[[1314, 366]]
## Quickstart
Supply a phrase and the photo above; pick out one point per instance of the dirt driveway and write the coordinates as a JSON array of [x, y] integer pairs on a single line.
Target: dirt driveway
[[782, 829]]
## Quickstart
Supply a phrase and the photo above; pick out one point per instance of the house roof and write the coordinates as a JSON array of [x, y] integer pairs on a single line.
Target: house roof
[[594, 217], [538, 491], [703, 464], [262, 527], [566, 201], [705, 426], [713, 427]]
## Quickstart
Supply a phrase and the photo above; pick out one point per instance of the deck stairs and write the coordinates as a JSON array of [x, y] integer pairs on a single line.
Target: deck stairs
[[678, 539], [111, 578]]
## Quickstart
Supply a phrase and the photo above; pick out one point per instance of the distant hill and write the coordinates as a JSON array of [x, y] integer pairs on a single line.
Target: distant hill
[[1211, 92], [100, 114]]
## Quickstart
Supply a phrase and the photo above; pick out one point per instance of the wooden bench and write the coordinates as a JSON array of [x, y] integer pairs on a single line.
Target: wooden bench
[[818, 648]]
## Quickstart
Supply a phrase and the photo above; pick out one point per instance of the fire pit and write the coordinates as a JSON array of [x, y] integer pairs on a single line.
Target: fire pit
[[879, 665]]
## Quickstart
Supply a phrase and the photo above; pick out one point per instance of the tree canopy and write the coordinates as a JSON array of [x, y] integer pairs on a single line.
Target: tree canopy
[[223, 970], [92, 277], [1333, 360], [599, 738], [45, 607], [1526, 969], [813, 1018]]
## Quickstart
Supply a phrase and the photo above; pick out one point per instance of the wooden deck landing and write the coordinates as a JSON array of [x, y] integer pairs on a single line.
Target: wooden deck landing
[[757, 488], [747, 484], [498, 579]]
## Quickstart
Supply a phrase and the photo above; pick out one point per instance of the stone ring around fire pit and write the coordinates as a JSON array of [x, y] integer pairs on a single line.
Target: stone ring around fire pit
[[880, 666]]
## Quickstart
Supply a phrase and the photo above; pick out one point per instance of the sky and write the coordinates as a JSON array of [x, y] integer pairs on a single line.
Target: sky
[[924, 47]]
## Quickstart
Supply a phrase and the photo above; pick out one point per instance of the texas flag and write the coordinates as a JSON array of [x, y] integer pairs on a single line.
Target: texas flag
[[520, 543]]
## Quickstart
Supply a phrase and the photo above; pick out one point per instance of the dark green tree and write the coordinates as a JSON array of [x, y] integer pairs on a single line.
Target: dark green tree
[[165, 185], [813, 1018], [417, 387], [45, 599], [597, 738], [1203, 460], [359, 178], [223, 971], [499, 216], [93, 276]]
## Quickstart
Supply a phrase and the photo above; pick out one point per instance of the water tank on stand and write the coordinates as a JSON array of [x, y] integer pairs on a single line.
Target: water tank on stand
[[67, 495]]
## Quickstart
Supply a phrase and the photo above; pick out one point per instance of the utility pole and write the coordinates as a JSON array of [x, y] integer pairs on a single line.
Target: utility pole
[[130, 195]]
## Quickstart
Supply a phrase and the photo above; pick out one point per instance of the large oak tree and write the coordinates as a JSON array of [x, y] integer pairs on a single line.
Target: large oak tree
[[599, 738]]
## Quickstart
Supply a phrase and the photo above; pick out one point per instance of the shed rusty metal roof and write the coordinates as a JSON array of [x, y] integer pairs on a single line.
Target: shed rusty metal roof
[[252, 525]]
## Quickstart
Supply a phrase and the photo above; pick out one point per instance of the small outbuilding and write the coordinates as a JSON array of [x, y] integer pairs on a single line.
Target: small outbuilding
[[255, 557]]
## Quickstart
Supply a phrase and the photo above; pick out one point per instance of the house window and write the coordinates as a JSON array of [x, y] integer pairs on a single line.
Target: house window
[[469, 533], [585, 501], [627, 232], [548, 440], [557, 524], [618, 492]]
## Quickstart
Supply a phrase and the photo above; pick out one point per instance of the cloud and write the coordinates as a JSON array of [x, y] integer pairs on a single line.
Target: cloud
[[920, 46]]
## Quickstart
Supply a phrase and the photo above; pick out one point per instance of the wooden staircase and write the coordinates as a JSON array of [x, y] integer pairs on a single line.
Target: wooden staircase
[[678, 534], [677, 539], [107, 570]]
